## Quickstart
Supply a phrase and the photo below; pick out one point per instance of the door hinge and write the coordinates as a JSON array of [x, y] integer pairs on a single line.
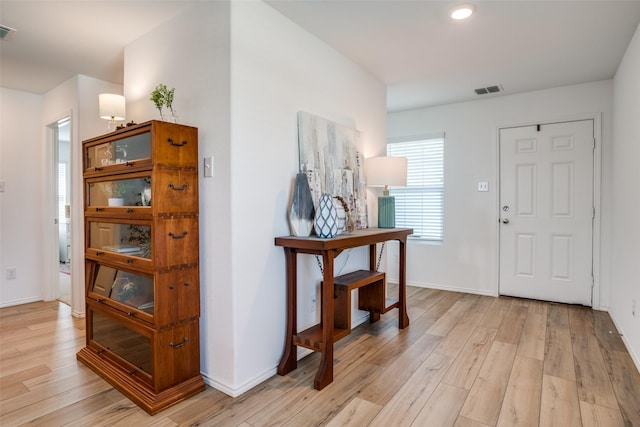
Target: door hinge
[[593, 213], [594, 144]]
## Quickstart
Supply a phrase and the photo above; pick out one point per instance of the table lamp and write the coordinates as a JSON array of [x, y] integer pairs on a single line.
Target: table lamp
[[386, 172], [112, 108]]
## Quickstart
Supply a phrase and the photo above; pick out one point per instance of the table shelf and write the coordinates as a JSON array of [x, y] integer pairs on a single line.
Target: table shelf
[[311, 338]]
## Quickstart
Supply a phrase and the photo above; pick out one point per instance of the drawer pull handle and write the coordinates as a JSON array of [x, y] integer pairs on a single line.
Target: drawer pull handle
[[184, 187], [186, 283], [97, 169], [130, 260], [100, 300], [171, 344], [130, 313], [129, 164], [100, 351], [132, 372], [99, 253], [129, 210], [98, 209], [184, 233], [170, 286], [176, 144]]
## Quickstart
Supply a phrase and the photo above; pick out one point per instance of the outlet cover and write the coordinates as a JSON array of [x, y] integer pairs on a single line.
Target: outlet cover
[[483, 186], [11, 273]]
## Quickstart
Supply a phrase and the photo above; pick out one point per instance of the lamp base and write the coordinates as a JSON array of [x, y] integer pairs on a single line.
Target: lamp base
[[386, 212]]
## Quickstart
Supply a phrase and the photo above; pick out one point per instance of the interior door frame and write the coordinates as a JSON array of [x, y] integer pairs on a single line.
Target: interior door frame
[[596, 300]]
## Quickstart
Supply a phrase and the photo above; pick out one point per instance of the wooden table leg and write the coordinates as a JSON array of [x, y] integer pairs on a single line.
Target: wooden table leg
[[289, 360], [403, 317], [324, 376], [373, 316]]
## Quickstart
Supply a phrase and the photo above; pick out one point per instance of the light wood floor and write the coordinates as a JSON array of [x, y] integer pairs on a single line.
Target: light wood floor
[[465, 360]]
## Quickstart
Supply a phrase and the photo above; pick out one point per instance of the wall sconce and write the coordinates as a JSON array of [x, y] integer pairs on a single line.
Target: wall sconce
[[112, 108], [386, 172]]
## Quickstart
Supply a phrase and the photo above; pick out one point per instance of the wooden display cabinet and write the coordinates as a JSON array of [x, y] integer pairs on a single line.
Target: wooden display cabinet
[[142, 262]]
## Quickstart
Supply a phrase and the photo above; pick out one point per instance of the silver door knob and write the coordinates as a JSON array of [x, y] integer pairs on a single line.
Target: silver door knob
[[505, 221]]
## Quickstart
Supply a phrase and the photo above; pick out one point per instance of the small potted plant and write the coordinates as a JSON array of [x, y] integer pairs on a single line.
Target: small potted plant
[[163, 97], [115, 192]]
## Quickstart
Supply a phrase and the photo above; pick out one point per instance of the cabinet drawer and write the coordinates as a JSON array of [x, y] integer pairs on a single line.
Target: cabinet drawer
[[175, 191], [175, 145], [181, 289], [178, 355], [176, 241]]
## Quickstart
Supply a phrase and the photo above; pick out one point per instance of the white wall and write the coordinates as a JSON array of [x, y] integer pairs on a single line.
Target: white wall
[[278, 69], [468, 258], [27, 168], [625, 254], [21, 203], [195, 61], [241, 73]]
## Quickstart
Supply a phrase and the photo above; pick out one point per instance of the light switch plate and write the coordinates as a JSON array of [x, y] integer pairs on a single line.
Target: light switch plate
[[208, 167], [483, 186]]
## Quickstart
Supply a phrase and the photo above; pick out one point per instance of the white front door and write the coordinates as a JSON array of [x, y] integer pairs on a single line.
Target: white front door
[[546, 211]]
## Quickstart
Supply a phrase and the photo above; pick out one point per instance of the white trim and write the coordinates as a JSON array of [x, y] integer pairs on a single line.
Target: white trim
[[20, 301], [419, 137], [597, 176], [50, 248], [258, 379], [635, 357], [484, 292]]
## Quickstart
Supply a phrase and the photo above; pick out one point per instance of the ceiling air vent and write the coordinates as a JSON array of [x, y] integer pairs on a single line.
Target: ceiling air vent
[[6, 33], [488, 89]]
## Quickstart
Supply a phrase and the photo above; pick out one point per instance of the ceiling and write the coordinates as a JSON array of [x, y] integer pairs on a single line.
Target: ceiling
[[412, 46]]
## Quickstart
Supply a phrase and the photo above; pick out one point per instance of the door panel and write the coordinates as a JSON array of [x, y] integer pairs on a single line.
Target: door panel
[[546, 201]]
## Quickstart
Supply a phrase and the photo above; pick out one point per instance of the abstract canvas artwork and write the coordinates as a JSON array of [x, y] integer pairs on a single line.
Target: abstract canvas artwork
[[331, 157]]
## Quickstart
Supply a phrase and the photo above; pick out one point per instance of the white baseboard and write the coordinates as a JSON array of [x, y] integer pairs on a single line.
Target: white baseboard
[[258, 379], [634, 356], [237, 391], [487, 293], [20, 302]]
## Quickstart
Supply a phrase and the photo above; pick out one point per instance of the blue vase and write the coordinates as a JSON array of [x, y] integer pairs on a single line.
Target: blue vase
[[326, 221], [301, 211]]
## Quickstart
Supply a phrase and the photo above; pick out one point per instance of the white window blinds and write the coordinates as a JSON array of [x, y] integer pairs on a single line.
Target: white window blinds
[[420, 205]]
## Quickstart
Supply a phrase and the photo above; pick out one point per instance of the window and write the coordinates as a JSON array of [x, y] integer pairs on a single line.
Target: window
[[420, 205]]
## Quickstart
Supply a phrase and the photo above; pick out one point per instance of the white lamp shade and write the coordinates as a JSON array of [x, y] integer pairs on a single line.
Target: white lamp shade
[[111, 106], [386, 171]]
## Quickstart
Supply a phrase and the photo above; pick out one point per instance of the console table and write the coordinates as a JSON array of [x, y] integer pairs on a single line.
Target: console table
[[322, 336]]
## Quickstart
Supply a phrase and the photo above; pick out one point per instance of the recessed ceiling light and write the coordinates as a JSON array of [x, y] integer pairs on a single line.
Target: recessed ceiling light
[[462, 11]]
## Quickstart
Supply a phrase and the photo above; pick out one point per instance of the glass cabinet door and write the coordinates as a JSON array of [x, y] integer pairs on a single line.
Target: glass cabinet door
[[121, 238], [120, 192], [132, 289], [123, 150], [122, 341]]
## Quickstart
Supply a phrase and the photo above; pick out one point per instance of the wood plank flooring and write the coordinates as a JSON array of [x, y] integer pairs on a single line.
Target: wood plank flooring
[[465, 360]]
